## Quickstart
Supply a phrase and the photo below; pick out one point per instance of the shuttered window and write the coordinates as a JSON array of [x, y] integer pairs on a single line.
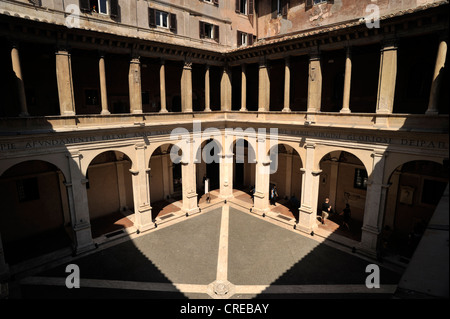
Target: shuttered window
[[208, 31], [157, 18]]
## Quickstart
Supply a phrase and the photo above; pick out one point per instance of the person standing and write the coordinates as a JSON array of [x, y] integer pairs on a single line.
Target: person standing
[[326, 210]]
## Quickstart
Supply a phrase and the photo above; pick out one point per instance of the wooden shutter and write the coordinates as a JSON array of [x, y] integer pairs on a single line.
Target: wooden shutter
[[239, 38], [202, 29], [173, 22], [284, 8], [238, 6], [250, 39], [114, 8], [216, 33], [216, 2], [151, 18], [250, 10], [308, 4], [85, 6]]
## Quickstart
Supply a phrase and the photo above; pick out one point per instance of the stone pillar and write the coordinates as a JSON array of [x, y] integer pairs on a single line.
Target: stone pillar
[[374, 206], [310, 193], [287, 84], [243, 88], [186, 87], [189, 184], [262, 178], [207, 90], [15, 59], [226, 167], [387, 77], [141, 190], [225, 90], [437, 78], [263, 87], [65, 83], [314, 83], [78, 205], [103, 90], [347, 82], [134, 83], [162, 86]]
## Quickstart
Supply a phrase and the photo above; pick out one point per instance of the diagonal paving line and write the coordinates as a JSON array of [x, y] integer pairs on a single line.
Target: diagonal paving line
[[222, 261]]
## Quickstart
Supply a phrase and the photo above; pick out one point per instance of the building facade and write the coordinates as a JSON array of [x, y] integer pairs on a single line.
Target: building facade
[[95, 90]]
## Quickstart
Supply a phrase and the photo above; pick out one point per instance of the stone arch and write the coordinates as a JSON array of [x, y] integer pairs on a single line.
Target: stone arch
[[365, 156], [90, 155], [35, 219]]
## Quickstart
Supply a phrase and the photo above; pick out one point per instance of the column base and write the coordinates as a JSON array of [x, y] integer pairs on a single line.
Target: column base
[[190, 211], [136, 112], [70, 113], [105, 112], [260, 211], [83, 241], [143, 218], [207, 110], [286, 109], [243, 110], [24, 114], [432, 112], [345, 111], [163, 111]]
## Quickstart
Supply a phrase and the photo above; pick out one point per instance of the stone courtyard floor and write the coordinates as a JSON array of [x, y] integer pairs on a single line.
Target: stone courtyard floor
[[222, 252]]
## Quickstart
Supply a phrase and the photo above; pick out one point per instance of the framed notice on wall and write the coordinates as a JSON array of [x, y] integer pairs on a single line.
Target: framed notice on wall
[[406, 195]]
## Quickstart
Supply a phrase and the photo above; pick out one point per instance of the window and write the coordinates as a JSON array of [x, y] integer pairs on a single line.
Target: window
[[209, 31], [215, 2], [310, 3], [27, 189], [280, 8], [162, 19], [242, 6], [244, 39], [360, 180], [107, 7]]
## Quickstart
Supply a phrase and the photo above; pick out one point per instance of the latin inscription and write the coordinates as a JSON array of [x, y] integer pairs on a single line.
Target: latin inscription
[[32, 144]]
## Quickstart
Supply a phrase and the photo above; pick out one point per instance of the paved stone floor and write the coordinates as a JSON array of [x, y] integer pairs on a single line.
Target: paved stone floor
[[223, 252]]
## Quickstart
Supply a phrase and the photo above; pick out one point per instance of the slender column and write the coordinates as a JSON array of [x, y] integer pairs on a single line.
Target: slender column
[[207, 90], [387, 77], [162, 86], [314, 83], [65, 83], [103, 91], [134, 83], [264, 87], [243, 88], [310, 193], [287, 84], [186, 87], [78, 205], [141, 190], [375, 202], [437, 78], [15, 59], [165, 158], [225, 90], [347, 82]]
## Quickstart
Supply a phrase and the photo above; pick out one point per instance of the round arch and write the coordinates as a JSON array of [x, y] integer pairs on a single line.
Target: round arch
[[90, 155], [365, 156], [395, 160], [36, 215]]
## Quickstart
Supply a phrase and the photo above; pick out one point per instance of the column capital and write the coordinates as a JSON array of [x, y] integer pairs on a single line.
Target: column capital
[[287, 60], [388, 44], [310, 145], [140, 146]]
